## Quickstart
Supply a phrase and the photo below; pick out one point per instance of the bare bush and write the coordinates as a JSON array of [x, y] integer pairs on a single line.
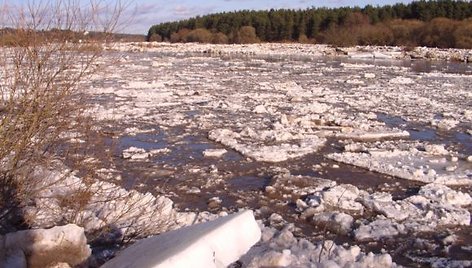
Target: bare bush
[[107, 212], [219, 38], [155, 38], [179, 36], [463, 34], [439, 32], [405, 31], [339, 36], [246, 35], [47, 51], [377, 34], [199, 35]]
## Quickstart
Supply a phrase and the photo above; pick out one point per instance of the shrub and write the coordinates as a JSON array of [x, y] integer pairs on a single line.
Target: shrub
[[219, 38], [378, 34], [303, 39], [199, 35], [155, 38], [49, 53], [179, 36], [439, 32], [246, 35], [405, 32], [463, 35], [339, 37]]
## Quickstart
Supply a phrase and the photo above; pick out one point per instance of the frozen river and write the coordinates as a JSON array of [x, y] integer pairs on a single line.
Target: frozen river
[[376, 153]]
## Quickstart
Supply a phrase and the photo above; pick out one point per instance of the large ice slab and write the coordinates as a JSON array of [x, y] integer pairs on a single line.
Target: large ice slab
[[44, 247], [212, 244], [428, 167]]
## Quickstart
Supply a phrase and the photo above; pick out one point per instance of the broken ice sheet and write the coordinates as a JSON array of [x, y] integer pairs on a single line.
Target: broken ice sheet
[[434, 165], [252, 144]]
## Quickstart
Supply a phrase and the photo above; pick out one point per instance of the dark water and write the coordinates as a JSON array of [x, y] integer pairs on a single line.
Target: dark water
[[460, 141], [240, 182]]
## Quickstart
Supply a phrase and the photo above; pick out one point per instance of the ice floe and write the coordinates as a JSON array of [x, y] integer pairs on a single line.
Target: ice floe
[[241, 142], [429, 166]]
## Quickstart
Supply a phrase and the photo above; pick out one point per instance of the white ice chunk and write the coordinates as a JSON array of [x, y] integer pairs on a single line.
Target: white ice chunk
[[445, 195], [337, 222], [378, 229], [135, 153], [401, 81], [212, 244], [343, 197], [248, 143], [214, 152], [45, 247], [260, 109], [428, 167]]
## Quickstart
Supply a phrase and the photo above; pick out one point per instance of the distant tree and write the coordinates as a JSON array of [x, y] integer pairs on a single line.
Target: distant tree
[[400, 21], [219, 38], [155, 38], [286, 31], [405, 32], [378, 35], [180, 36], [372, 13], [439, 32], [199, 35], [463, 34], [261, 23], [355, 19], [313, 25], [246, 35]]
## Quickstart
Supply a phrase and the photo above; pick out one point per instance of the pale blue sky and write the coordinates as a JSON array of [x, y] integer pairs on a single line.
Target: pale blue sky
[[145, 13]]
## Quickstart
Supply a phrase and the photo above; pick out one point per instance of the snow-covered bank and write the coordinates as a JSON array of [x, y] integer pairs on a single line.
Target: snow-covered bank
[[108, 213]]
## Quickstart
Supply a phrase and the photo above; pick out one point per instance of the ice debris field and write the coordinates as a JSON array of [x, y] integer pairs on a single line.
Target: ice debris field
[[360, 158]]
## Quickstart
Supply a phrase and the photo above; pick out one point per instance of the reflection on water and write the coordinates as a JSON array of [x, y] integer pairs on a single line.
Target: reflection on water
[[147, 141], [425, 66], [390, 120], [422, 134], [249, 183]]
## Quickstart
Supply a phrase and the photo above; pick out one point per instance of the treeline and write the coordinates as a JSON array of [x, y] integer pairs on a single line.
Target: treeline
[[15, 37], [442, 23]]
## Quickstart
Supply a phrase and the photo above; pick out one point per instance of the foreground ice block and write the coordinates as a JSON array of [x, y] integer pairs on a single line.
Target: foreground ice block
[[44, 247], [211, 244]]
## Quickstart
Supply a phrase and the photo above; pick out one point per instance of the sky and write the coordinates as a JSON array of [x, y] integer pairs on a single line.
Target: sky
[[142, 14]]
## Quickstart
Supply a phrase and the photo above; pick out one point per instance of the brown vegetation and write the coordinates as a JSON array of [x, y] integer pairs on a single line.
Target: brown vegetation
[[463, 34], [45, 55], [246, 35], [199, 35], [39, 99]]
